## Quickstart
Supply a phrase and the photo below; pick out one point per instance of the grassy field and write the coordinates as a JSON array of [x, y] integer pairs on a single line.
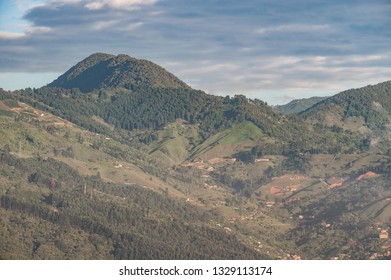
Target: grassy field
[[242, 132], [229, 141]]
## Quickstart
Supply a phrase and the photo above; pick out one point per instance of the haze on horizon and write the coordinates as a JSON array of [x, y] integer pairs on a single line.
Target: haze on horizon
[[263, 49]]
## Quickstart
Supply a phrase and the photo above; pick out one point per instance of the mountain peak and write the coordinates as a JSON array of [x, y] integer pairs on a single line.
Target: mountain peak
[[101, 70]]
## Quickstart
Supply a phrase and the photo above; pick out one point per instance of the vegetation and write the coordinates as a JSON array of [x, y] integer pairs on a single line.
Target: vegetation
[[371, 103], [124, 222], [147, 108], [102, 70], [118, 159]]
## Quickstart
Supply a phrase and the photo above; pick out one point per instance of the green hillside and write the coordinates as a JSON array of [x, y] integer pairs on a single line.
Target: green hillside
[[148, 108], [241, 132], [370, 105], [117, 222], [173, 143], [230, 141], [124, 213]]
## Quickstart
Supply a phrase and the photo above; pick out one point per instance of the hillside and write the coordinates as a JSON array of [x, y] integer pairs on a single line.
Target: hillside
[[65, 194], [357, 109], [135, 171], [141, 111], [102, 70], [298, 105]]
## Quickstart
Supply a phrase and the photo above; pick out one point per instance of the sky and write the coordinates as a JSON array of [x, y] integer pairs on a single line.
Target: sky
[[272, 50]]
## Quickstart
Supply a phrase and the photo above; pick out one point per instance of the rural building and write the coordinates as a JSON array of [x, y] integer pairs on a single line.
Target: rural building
[[383, 234], [262, 160]]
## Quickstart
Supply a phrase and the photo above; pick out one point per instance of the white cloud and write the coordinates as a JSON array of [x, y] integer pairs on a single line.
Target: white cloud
[[10, 35], [271, 78], [68, 1], [118, 4], [355, 59], [132, 26], [115, 24], [103, 24], [38, 29], [29, 31], [100, 4], [293, 28], [229, 50], [24, 5]]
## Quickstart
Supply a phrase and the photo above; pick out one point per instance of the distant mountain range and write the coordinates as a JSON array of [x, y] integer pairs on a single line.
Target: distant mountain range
[[298, 105]]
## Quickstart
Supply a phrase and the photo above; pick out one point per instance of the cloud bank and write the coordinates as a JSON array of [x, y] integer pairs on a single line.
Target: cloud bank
[[258, 47]]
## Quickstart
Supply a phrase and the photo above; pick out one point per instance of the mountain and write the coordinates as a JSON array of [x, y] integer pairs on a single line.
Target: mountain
[[356, 109], [139, 171], [102, 70], [142, 105], [298, 105]]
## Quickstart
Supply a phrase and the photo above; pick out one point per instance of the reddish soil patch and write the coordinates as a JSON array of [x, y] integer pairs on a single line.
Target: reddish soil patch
[[276, 191], [336, 185], [369, 174]]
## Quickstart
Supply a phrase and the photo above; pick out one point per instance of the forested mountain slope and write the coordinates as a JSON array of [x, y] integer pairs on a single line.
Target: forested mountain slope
[[102, 70], [150, 109], [369, 106]]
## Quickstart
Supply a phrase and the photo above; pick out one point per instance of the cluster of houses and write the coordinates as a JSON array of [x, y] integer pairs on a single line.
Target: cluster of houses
[[383, 235], [377, 256], [200, 165], [291, 257]]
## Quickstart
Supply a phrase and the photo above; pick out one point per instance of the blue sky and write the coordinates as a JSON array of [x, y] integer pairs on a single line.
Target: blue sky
[[267, 49]]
